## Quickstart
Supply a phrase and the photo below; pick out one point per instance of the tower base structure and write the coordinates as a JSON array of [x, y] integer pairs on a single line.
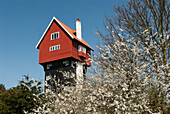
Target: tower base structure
[[65, 72]]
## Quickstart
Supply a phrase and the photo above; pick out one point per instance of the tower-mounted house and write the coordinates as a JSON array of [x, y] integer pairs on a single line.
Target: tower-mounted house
[[63, 53]]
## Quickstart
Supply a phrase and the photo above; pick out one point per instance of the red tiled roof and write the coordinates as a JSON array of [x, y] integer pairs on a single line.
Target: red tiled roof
[[73, 31], [67, 29]]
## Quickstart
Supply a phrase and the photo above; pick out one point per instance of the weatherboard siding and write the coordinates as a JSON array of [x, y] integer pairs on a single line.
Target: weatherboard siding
[[68, 46], [45, 55]]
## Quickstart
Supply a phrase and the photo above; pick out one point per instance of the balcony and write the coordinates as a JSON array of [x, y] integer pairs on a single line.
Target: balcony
[[82, 54]]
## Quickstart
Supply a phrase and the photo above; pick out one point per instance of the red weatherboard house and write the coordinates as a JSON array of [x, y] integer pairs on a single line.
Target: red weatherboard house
[[63, 49]]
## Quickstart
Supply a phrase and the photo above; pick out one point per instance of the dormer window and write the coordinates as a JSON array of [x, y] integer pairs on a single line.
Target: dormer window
[[79, 47], [54, 35], [84, 50]]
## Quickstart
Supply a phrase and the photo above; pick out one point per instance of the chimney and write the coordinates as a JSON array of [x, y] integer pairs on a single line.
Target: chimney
[[78, 28]]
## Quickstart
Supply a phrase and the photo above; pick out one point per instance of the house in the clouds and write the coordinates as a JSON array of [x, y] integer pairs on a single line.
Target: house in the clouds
[[63, 53]]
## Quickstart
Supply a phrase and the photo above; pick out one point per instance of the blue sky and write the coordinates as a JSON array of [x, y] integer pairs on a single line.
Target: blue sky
[[22, 23]]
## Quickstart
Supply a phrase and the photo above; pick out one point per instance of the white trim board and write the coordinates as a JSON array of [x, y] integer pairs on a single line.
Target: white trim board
[[48, 28]]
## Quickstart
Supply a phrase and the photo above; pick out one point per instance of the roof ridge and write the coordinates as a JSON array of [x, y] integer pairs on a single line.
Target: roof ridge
[[65, 25], [67, 29], [72, 31]]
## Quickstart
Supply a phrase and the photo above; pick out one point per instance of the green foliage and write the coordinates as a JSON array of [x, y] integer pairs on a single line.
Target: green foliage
[[2, 88], [25, 97], [156, 100]]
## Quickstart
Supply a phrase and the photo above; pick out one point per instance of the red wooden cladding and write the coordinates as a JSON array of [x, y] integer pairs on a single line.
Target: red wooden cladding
[[68, 46]]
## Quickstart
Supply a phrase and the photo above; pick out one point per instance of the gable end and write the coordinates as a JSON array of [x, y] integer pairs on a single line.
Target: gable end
[[53, 19]]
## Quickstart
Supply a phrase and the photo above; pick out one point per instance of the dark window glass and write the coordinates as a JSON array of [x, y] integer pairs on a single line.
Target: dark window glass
[[54, 36], [57, 35]]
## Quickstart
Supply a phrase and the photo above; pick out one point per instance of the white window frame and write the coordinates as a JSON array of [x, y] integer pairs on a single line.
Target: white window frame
[[79, 47], [48, 66], [53, 48], [84, 50], [57, 34]]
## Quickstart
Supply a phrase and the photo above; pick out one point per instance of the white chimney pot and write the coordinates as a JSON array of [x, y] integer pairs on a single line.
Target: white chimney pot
[[78, 29]]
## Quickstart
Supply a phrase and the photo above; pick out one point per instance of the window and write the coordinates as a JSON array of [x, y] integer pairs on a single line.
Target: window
[[66, 63], [48, 77], [84, 50], [56, 47], [79, 47], [54, 35], [48, 66]]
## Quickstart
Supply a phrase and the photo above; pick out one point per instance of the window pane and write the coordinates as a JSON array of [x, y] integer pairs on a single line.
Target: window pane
[[79, 48], [57, 35], [54, 36], [84, 50]]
